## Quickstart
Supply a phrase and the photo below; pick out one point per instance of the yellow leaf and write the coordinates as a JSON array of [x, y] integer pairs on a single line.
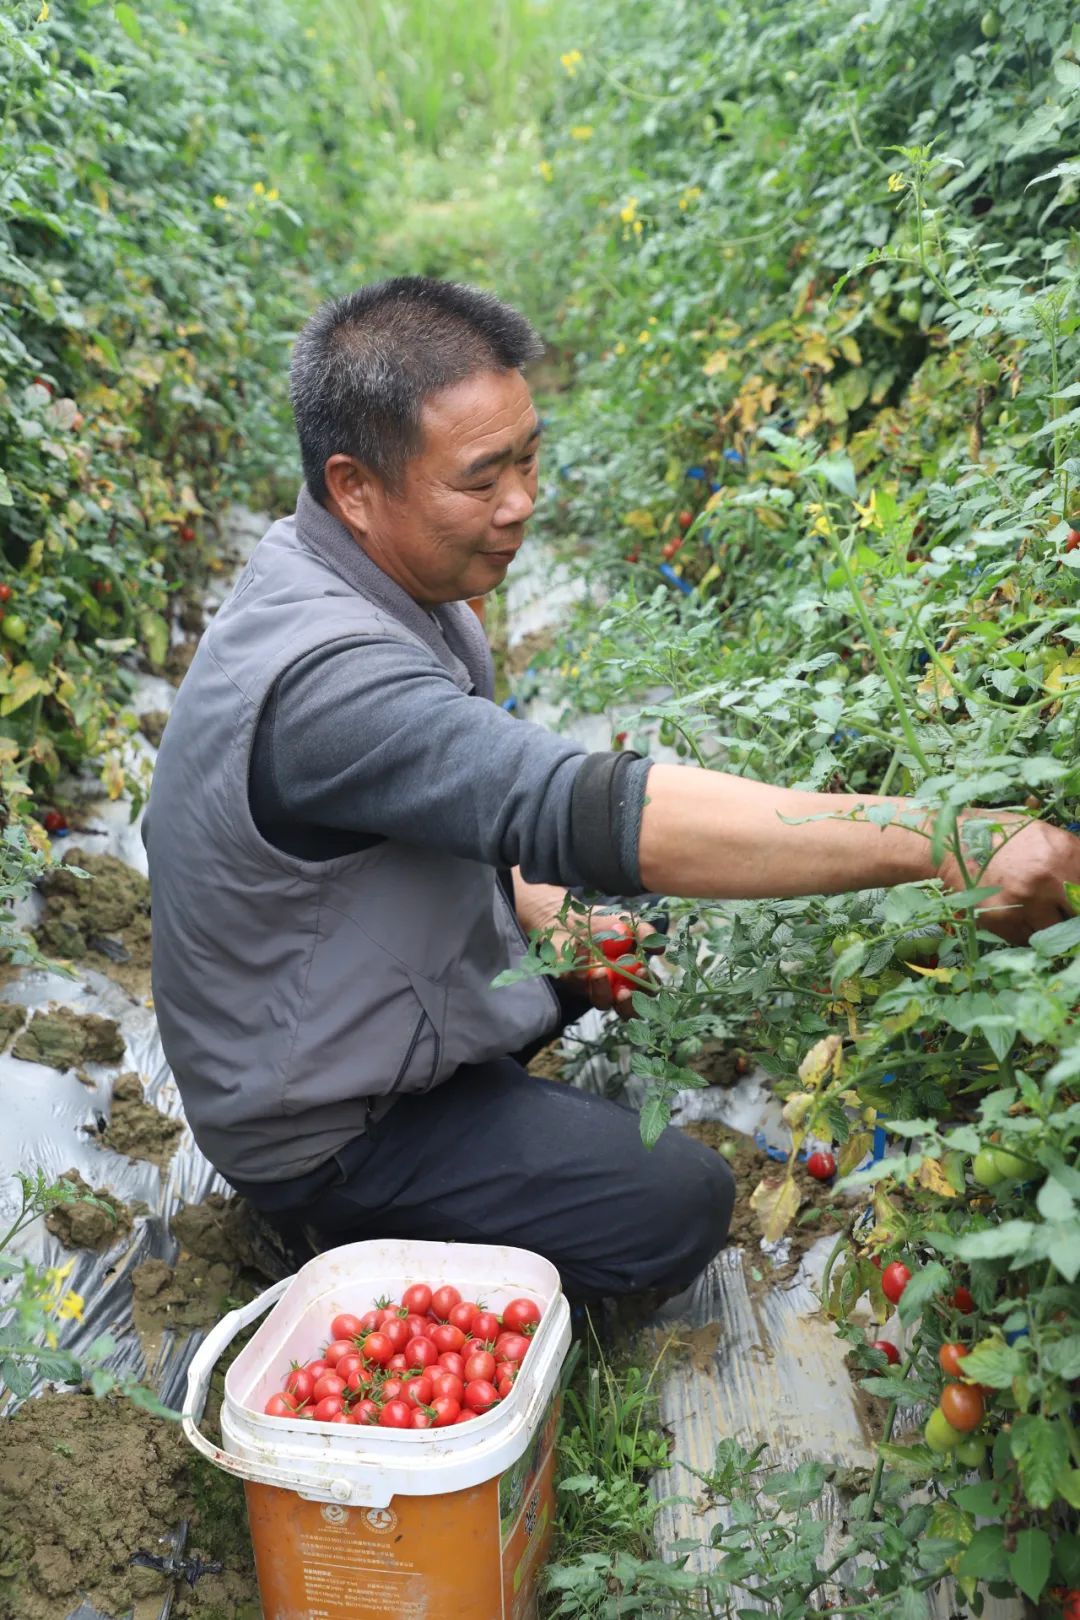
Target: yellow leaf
[[775, 1203], [112, 776], [854, 1151], [822, 1057], [943, 975], [1064, 676], [25, 684], [850, 351], [931, 1176], [640, 519], [717, 361]]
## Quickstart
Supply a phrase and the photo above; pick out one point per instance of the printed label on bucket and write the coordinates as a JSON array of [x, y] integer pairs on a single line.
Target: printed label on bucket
[[526, 1504]]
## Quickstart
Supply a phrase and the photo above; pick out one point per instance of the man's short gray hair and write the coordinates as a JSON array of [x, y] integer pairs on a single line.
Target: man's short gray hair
[[364, 365]]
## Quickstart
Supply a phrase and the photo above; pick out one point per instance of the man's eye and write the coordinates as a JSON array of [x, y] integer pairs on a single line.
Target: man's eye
[[479, 488], [529, 460]]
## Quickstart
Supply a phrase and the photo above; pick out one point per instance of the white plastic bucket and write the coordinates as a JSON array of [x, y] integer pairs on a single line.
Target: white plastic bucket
[[363, 1523]]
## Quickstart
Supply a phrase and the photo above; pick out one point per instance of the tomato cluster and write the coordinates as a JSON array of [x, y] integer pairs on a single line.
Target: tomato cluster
[[430, 1360], [620, 950]]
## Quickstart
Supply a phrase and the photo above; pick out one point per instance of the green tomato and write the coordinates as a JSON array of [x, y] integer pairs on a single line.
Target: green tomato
[[984, 1168], [971, 1450], [990, 25], [1010, 1167], [910, 310], [843, 942], [14, 627], [989, 371], [939, 1433]]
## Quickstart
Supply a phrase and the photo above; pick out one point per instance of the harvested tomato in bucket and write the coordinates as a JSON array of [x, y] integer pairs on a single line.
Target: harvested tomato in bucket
[[357, 1515]]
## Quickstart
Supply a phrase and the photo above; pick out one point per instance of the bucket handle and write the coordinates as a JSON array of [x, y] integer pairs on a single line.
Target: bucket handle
[[261, 1473]]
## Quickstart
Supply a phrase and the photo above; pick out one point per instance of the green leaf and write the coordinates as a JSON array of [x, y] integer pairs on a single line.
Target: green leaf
[[837, 471], [993, 1364], [1067, 1558], [925, 1285], [1040, 1448], [6, 498], [1029, 1565], [912, 1604], [1058, 939], [984, 1555], [986, 1500], [1011, 1238], [128, 21], [655, 1113]]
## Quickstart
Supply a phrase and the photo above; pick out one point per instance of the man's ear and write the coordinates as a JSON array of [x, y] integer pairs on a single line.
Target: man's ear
[[351, 488]]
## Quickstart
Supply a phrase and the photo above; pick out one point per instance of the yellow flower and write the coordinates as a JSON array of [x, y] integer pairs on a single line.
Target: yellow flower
[[897, 182], [571, 61], [544, 170], [43, 14], [70, 1308], [822, 525], [869, 517], [637, 227], [581, 132], [691, 194], [643, 337], [273, 194], [620, 347], [628, 211], [259, 189], [220, 201]]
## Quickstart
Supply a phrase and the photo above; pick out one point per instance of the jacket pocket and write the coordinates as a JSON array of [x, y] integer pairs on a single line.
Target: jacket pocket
[[420, 1064]]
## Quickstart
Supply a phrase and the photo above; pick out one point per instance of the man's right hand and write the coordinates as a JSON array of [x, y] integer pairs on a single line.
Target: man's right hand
[[1030, 868]]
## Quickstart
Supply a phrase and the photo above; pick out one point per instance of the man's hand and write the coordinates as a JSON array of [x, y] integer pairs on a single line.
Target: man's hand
[[1030, 867], [538, 908]]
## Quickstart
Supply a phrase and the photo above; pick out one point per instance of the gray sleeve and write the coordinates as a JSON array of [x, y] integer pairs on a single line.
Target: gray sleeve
[[374, 737]]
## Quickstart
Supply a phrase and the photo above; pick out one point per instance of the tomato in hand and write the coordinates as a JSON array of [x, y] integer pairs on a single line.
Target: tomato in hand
[[521, 1315], [963, 1406], [894, 1279]]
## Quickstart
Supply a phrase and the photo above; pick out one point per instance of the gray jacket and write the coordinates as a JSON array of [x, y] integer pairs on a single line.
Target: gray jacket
[[296, 996]]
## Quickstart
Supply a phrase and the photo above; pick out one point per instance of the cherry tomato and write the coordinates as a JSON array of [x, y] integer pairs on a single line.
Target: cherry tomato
[[369, 1321], [511, 1347], [939, 1433], [485, 1327], [329, 1384], [446, 1338], [481, 1395], [317, 1368], [422, 1420], [466, 1415], [950, 1357], [420, 1353], [894, 1279], [336, 1349], [417, 1299], [1070, 1609], [346, 1326], [53, 821], [300, 1384], [444, 1411], [397, 1363], [971, 1451], [962, 1406], [348, 1364], [451, 1361], [390, 1313], [481, 1364], [328, 1408], [376, 1347], [5, 593], [417, 1327], [821, 1165], [443, 1301], [391, 1389], [464, 1315], [356, 1380], [280, 1406], [888, 1350], [365, 1411], [342, 1417], [448, 1383], [521, 1315], [396, 1415], [504, 1384], [685, 519], [396, 1331], [670, 547], [418, 1391], [1072, 540], [617, 978], [961, 1300]]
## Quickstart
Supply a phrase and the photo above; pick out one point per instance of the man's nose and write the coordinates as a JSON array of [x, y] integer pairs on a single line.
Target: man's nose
[[516, 505]]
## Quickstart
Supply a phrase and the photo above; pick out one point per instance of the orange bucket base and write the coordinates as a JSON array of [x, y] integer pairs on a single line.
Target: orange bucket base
[[474, 1554]]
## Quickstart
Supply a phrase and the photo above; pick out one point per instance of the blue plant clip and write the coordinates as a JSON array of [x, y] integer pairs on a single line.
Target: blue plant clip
[[733, 455], [770, 1152], [881, 1137], [510, 703], [61, 832], [676, 579], [696, 472], [714, 487]]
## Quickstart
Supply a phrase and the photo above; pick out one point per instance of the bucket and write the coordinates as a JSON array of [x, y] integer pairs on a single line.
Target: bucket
[[365, 1523]]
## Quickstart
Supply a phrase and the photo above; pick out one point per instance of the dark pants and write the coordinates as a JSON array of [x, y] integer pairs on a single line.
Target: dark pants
[[494, 1155]]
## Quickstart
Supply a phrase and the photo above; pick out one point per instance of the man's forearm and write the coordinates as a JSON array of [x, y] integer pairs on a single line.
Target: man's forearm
[[708, 835]]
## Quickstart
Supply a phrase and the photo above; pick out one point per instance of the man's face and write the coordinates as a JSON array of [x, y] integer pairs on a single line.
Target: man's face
[[455, 527]]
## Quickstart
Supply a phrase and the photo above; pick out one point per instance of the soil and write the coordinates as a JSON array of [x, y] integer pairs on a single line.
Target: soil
[[12, 1017], [222, 1259], [102, 921], [152, 724], [66, 1536], [63, 1039], [516, 660], [136, 1127], [748, 1164], [720, 1064], [179, 659], [549, 1063], [82, 1225]]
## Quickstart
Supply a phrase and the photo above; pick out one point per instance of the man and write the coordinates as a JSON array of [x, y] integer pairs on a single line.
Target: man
[[338, 807]]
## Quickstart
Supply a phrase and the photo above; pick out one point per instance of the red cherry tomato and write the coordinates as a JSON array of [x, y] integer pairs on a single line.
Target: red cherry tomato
[[894, 1279], [300, 1384], [481, 1395], [485, 1327], [443, 1301], [376, 1347], [342, 1417], [369, 1321], [822, 1166], [422, 1419], [328, 1408], [962, 1300], [417, 1299], [444, 1411], [521, 1315], [357, 1379], [445, 1338], [669, 549], [397, 1363], [280, 1406], [617, 979], [466, 1415], [336, 1349], [481, 1364], [511, 1347], [5, 593], [365, 1411], [463, 1315], [963, 1406], [396, 1331], [417, 1327], [451, 1361], [1072, 540], [448, 1383], [328, 1384], [348, 1364], [390, 1313], [420, 1353], [949, 1358], [346, 1326], [418, 1391], [1070, 1609], [317, 1368], [888, 1350], [685, 519], [391, 1389], [396, 1415]]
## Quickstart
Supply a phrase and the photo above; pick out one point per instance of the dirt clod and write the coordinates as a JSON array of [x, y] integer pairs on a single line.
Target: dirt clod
[[152, 724], [83, 1225], [191, 1294], [136, 1127], [12, 1017], [63, 1039], [102, 921]]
